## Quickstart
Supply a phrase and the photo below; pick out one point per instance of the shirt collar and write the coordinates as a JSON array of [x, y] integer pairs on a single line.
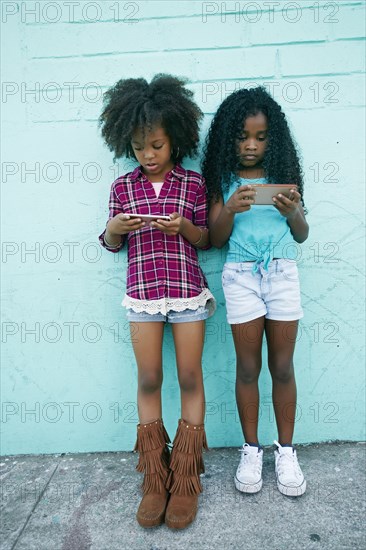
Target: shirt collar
[[177, 171]]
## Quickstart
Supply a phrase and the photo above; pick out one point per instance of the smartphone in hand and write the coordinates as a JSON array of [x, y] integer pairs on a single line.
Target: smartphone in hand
[[148, 217], [265, 191]]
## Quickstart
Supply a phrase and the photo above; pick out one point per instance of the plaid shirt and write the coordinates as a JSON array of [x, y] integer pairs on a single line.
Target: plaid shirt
[[160, 265]]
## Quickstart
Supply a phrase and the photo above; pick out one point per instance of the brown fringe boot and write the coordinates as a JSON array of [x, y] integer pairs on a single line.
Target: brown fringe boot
[[184, 484], [151, 444]]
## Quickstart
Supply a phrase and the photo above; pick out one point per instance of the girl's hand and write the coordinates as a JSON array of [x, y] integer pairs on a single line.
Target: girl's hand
[[288, 207], [172, 227], [122, 224], [241, 200]]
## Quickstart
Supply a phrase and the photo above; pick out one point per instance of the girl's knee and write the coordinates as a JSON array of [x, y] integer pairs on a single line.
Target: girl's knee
[[150, 382], [190, 380], [247, 373], [282, 371]]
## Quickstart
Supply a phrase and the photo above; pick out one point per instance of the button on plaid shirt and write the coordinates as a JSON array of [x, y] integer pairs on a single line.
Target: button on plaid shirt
[[160, 265]]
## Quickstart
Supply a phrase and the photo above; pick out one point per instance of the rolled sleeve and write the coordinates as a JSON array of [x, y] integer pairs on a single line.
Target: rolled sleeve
[[115, 207], [201, 210]]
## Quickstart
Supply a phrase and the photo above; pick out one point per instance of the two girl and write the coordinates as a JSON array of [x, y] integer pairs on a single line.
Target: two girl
[[249, 143], [157, 124]]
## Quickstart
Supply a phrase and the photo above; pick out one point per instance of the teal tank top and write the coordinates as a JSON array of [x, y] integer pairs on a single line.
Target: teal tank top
[[260, 234]]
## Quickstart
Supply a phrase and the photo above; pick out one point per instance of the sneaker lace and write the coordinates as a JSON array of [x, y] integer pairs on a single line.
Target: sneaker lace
[[249, 458], [287, 462]]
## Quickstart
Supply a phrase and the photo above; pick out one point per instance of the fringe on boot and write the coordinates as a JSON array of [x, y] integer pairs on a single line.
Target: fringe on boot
[[151, 444], [184, 483]]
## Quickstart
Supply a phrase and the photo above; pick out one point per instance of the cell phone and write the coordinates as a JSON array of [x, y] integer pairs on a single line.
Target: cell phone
[[148, 217], [265, 191]]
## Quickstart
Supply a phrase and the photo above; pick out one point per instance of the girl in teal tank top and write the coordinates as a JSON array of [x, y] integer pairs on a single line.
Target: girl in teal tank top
[[249, 142], [261, 235]]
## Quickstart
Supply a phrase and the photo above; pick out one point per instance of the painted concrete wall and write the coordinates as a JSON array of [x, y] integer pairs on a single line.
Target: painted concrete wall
[[68, 370]]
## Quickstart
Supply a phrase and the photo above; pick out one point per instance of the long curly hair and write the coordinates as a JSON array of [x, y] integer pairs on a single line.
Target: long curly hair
[[281, 162], [133, 104]]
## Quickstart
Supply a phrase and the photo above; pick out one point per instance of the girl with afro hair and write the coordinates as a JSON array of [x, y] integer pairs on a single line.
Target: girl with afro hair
[[159, 210], [249, 144]]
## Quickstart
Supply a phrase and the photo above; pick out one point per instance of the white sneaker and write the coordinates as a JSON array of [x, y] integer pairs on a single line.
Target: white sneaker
[[290, 479], [248, 478]]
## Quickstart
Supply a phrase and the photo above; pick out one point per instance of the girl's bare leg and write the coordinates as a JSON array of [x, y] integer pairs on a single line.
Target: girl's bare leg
[[281, 338], [248, 346], [188, 341], [147, 345]]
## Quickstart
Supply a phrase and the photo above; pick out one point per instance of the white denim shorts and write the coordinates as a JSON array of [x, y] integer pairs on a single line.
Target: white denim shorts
[[274, 294]]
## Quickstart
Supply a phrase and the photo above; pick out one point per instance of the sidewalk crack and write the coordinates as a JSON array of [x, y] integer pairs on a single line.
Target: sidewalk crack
[[34, 507]]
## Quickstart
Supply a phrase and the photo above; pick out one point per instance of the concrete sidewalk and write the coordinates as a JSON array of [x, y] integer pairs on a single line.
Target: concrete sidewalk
[[89, 501]]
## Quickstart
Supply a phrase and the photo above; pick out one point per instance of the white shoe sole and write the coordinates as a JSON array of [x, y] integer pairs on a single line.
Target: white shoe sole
[[248, 488], [292, 491]]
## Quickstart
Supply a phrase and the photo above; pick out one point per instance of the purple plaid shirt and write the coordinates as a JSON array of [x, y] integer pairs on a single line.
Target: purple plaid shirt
[[160, 265]]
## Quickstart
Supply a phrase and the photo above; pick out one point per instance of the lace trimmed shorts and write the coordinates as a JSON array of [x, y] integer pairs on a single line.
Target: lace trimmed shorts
[[186, 316], [274, 294]]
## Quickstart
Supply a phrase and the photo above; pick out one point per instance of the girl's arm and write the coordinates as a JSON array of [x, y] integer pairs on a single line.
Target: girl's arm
[[195, 232], [196, 235], [108, 239], [293, 211], [199, 220], [118, 225], [221, 216], [299, 226], [220, 222]]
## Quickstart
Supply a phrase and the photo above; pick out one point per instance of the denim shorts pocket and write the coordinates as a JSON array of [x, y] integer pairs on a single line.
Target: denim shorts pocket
[[229, 276], [289, 271]]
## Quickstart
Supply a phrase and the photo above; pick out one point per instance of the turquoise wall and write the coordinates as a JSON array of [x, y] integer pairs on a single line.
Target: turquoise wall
[[68, 370]]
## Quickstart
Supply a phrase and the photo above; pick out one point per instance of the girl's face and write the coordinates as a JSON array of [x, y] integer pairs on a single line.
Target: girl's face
[[152, 149], [252, 143]]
